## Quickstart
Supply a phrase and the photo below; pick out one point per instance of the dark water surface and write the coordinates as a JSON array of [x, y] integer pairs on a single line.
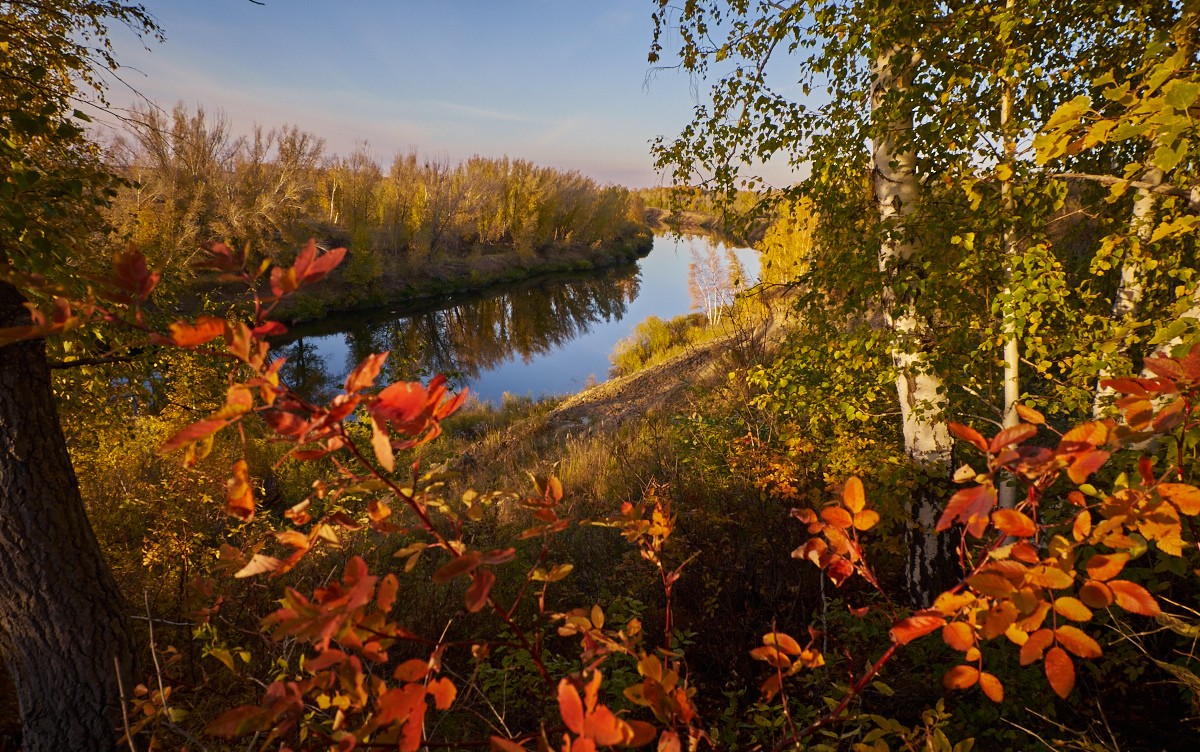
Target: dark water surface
[[544, 337]]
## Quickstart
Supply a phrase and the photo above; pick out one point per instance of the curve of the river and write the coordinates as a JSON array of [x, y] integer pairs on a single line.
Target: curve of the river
[[544, 337]]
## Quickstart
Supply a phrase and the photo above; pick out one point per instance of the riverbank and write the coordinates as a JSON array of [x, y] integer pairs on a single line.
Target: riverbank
[[410, 283]]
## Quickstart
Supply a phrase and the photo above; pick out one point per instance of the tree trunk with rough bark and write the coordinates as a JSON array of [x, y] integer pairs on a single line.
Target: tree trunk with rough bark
[[64, 633], [919, 388]]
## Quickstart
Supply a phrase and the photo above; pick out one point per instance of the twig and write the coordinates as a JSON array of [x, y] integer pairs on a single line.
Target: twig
[[124, 703], [154, 654]]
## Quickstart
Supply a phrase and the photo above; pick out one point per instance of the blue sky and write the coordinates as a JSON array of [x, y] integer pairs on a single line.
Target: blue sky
[[559, 82]]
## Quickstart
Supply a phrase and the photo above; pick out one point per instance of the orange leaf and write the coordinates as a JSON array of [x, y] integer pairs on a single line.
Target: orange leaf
[[959, 635], [1134, 598], [365, 373], [1086, 464], [205, 329], [1072, 608], [1031, 651], [837, 517], [866, 519], [386, 597], [917, 625], [1013, 523], [1082, 526], [1102, 567], [772, 655], [669, 742], [1185, 498], [443, 692], [602, 726], [1060, 671], [258, 564], [239, 493], [966, 433], [1078, 642], [960, 677], [381, 443], [570, 706], [991, 687], [1029, 415], [853, 496], [412, 670], [1096, 594], [1012, 435], [504, 745], [990, 584], [643, 733], [481, 586], [1093, 433], [783, 642]]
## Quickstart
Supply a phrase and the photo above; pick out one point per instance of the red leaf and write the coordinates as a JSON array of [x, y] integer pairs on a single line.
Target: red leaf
[[970, 506], [1012, 435], [403, 403], [237, 722], [481, 586], [269, 329], [457, 566], [196, 431], [966, 433], [364, 375], [131, 275], [917, 625], [386, 597], [1060, 671], [1127, 386]]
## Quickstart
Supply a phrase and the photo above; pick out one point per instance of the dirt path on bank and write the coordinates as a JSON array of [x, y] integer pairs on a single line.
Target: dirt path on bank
[[664, 387]]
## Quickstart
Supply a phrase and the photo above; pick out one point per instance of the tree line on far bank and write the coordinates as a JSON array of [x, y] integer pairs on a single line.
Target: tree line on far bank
[[193, 179]]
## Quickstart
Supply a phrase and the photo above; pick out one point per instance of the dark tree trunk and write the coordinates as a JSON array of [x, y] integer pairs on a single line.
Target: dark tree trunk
[[64, 633]]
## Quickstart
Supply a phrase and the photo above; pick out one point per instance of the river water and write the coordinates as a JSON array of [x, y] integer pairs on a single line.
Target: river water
[[543, 337]]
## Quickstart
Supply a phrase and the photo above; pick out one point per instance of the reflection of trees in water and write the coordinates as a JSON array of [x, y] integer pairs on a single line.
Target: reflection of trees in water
[[462, 340], [306, 372], [475, 336]]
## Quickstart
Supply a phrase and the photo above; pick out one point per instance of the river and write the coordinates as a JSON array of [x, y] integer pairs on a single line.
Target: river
[[548, 336]]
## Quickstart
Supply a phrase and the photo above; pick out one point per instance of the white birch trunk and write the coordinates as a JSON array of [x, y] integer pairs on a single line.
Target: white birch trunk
[[1007, 493], [919, 389]]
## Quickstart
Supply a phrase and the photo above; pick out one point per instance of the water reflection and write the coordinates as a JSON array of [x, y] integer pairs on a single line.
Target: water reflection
[[549, 336], [472, 335]]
